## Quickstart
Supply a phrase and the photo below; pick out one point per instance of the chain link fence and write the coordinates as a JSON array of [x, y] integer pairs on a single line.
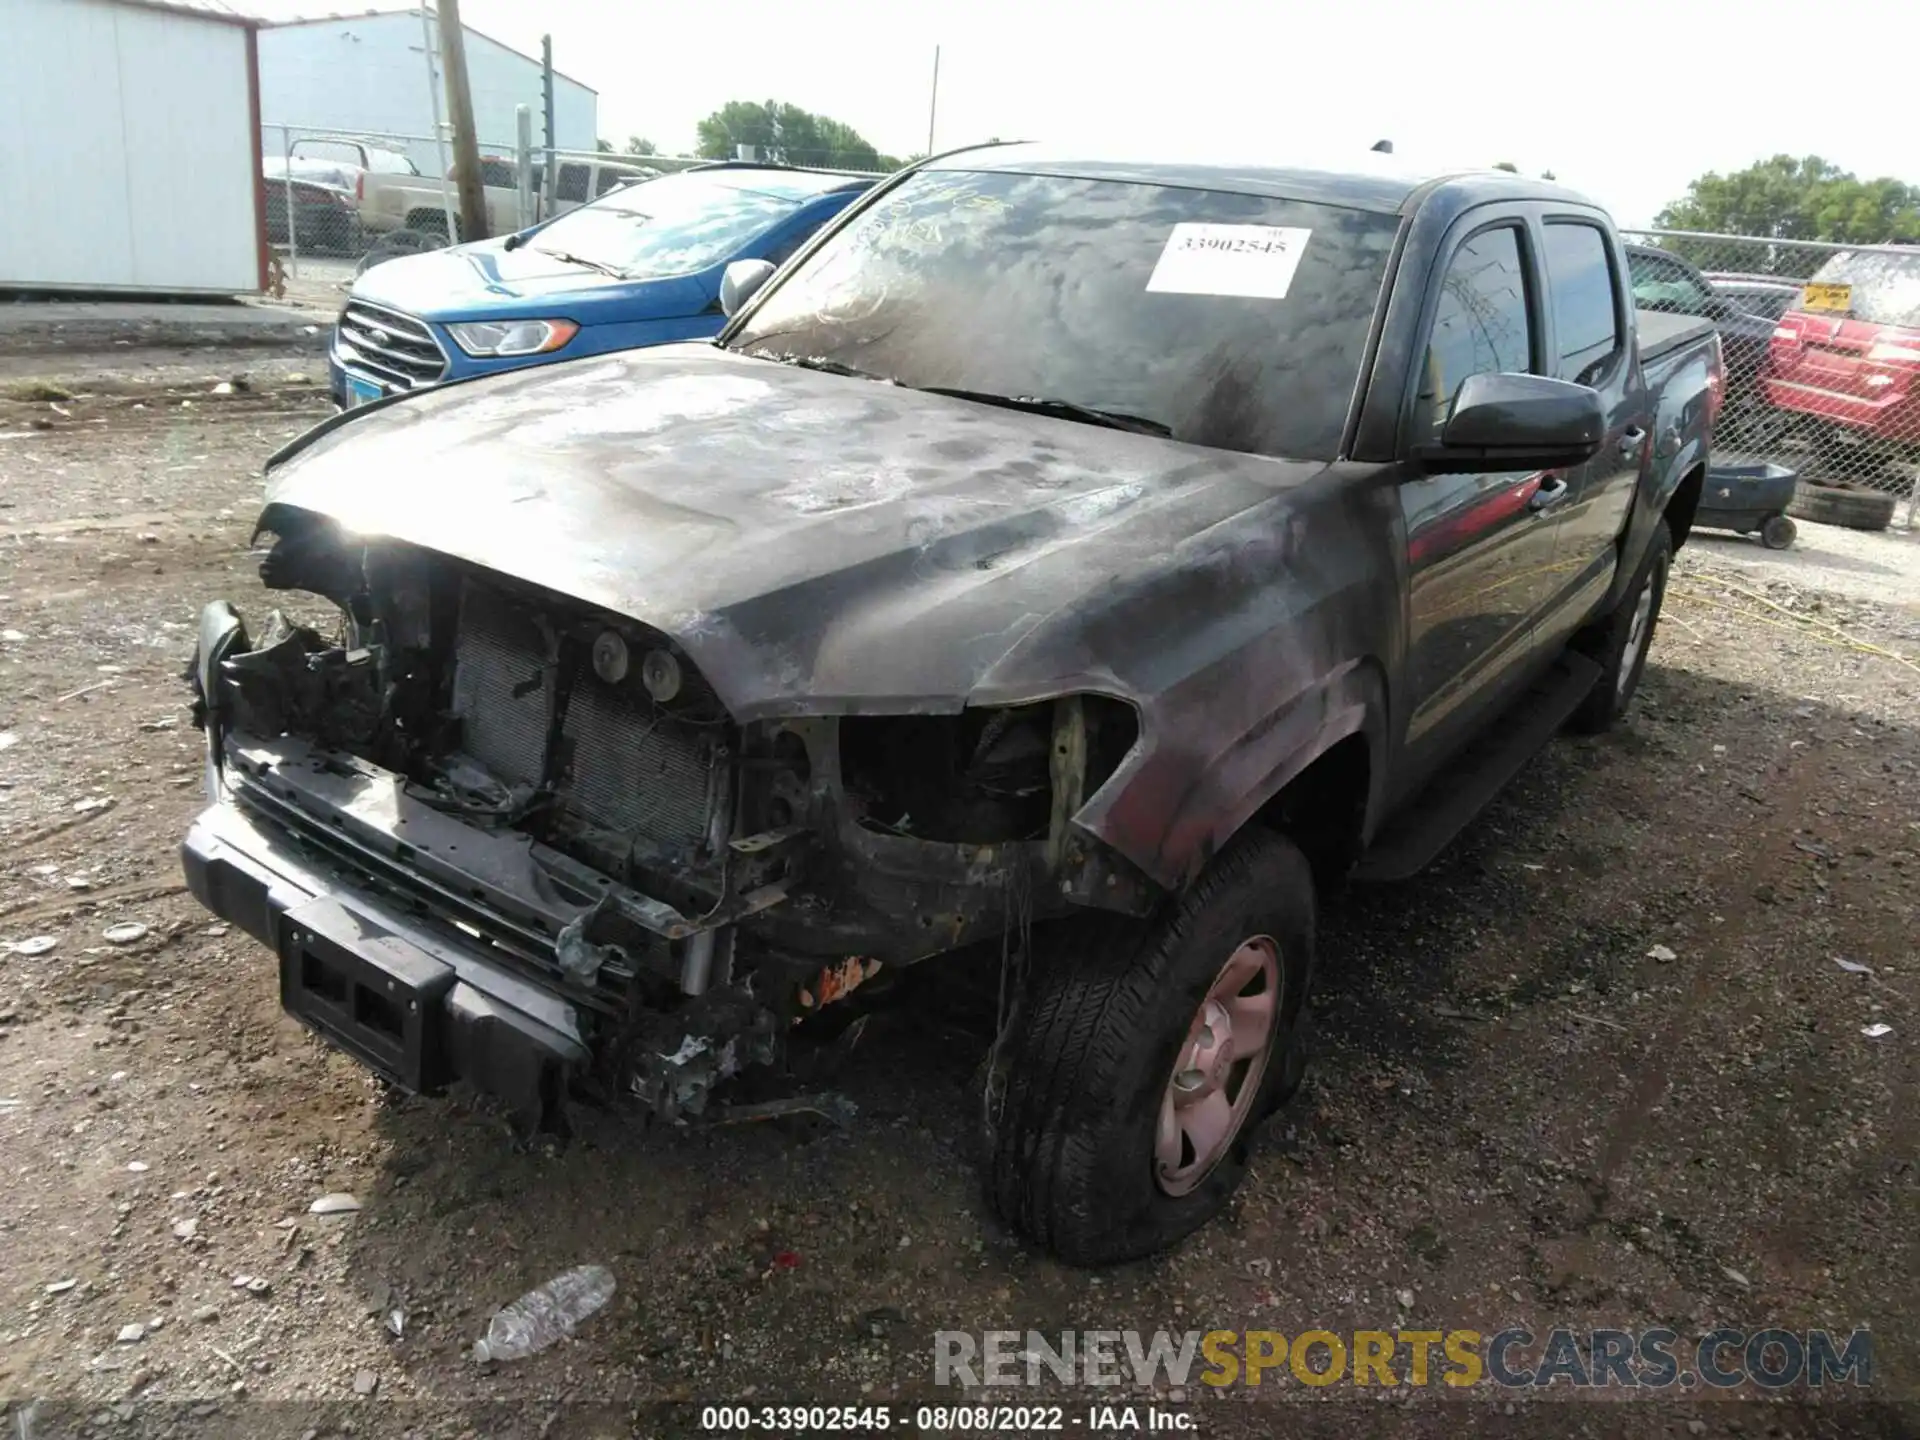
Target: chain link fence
[[334, 194], [1822, 346]]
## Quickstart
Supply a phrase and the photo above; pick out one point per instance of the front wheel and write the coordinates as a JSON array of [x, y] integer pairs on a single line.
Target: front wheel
[[1117, 1114], [1620, 640]]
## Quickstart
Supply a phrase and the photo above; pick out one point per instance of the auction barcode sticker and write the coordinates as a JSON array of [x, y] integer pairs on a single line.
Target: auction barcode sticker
[[1252, 260]]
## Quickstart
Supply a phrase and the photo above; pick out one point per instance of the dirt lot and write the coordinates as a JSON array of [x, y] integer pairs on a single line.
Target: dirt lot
[[1600, 1067]]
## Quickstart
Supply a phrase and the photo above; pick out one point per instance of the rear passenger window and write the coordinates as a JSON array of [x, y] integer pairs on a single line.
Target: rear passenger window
[[1580, 277], [1481, 327], [573, 182]]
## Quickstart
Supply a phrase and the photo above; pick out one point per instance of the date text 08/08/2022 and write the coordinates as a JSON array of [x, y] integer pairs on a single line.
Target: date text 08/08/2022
[[1105, 1419]]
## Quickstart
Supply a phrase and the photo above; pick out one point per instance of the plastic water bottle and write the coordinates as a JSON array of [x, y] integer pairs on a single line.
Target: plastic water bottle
[[540, 1317]]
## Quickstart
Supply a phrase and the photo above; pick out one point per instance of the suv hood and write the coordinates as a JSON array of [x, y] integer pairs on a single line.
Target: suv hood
[[817, 544], [487, 281]]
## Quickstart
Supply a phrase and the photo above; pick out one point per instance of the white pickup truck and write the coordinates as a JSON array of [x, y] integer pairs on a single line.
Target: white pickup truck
[[381, 177], [392, 195]]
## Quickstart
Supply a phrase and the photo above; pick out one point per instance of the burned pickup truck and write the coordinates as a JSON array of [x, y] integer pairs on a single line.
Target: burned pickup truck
[[1060, 565]]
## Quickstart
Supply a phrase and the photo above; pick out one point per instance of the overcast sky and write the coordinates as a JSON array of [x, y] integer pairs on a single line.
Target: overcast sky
[[1625, 99]]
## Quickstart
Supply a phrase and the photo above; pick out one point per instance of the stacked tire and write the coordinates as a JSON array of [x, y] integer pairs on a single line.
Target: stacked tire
[[1853, 506]]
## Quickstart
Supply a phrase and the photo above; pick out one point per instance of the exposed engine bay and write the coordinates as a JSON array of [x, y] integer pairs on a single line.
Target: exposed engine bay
[[561, 792]]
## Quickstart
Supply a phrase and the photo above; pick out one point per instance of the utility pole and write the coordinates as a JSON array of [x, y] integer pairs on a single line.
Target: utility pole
[[466, 145], [933, 101], [548, 176]]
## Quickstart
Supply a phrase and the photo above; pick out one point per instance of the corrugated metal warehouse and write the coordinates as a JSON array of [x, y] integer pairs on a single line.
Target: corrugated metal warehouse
[[129, 151], [367, 75]]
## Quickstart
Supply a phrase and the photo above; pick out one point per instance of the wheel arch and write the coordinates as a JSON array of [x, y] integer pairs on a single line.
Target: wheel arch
[[1684, 503], [1324, 808], [1317, 769]]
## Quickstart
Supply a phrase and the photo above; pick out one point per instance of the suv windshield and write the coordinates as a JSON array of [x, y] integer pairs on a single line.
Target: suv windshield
[[1886, 288], [1232, 320], [676, 224]]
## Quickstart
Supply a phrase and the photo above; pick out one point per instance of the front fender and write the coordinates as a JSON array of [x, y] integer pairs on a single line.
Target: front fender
[[1171, 817]]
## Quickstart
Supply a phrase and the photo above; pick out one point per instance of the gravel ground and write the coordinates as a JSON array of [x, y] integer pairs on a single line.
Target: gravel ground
[[1599, 1067], [1874, 565]]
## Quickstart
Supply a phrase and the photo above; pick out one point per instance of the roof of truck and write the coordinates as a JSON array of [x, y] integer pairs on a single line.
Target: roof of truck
[[1357, 179]]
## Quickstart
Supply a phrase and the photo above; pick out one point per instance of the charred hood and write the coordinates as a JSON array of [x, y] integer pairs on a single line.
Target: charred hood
[[817, 544]]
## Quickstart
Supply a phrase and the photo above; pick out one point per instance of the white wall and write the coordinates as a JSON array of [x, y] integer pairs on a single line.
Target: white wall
[[368, 74], [126, 150]]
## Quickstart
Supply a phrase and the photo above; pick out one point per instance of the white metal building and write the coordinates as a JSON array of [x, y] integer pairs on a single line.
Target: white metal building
[[367, 74], [129, 148]]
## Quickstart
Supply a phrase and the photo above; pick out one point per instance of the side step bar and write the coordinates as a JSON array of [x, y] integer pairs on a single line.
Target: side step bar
[[1413, 838]]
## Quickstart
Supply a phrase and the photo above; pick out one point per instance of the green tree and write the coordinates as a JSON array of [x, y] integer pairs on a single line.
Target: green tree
[[605, 147], [788, 134], [640, 145], [1506, 165], [1785, 198]]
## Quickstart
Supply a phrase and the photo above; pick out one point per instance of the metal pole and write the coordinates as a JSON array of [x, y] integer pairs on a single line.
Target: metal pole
[[548, 180], [293, 244], [523, 163], [933, 101], [439, 135]]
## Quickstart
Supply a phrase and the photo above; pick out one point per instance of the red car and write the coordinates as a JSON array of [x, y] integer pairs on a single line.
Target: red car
[[1849, 352]]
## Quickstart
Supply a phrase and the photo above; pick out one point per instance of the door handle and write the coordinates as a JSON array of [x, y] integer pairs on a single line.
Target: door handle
[[1630, 443], [1548, 496]]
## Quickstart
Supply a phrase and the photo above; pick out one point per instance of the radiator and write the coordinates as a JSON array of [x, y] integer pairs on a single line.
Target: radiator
[[630, 767]]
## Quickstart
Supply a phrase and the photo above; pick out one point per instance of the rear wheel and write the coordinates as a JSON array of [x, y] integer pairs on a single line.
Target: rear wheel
[[1118, 1111], [431, 223], [396, 243], [1620, 641]]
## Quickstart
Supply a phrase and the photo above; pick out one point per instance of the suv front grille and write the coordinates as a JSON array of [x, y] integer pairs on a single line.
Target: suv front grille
[[397, 348]]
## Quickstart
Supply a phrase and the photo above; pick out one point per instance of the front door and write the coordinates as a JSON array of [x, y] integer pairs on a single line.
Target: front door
[[1479, 550]]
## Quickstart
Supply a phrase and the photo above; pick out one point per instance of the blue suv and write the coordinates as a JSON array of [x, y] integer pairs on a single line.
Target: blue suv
[[639, 266]]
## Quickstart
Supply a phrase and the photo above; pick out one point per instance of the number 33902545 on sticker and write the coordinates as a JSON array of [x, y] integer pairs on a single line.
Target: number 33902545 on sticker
[[1256, 261]]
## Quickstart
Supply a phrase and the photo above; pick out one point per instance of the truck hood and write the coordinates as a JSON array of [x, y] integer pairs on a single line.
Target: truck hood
[[817, 544], [486, 281]]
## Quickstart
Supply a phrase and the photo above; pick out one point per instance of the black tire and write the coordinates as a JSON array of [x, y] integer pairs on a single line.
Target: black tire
[[432, 223], [396, 243], [1074, 1092], [1607, 641], [1855, 509], [1778, 532]]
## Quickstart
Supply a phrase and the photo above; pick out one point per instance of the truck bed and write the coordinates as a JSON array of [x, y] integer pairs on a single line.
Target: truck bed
[[1661, 333]]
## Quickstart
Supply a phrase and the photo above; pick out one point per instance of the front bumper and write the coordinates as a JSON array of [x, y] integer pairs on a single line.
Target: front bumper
[[412, 1006]]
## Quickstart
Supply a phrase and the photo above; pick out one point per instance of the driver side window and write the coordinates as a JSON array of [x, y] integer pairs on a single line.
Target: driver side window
[[1482, 326]]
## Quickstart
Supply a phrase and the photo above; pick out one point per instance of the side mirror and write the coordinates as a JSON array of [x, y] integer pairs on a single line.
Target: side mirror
[[1517, 422], [739, 282]]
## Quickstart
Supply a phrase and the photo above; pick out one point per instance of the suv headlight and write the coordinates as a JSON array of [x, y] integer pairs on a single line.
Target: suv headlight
[[494, 338]]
